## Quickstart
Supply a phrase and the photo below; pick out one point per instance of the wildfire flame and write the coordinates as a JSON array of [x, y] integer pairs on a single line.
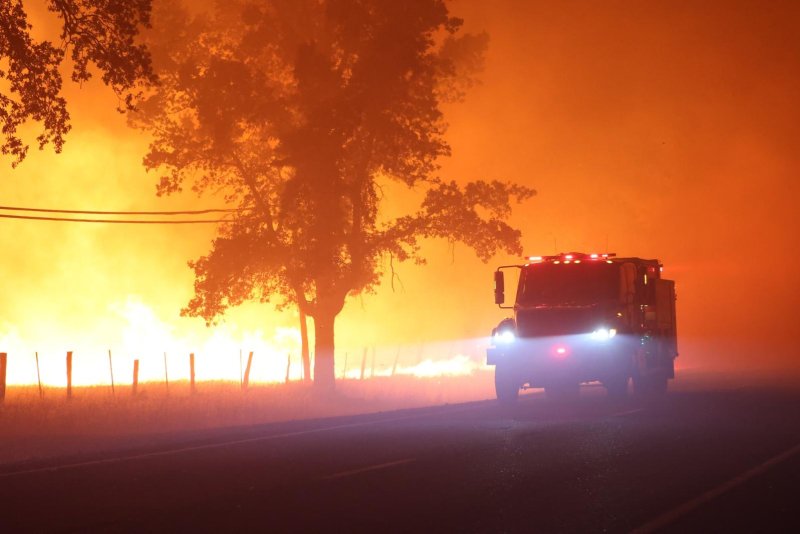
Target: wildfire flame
[[220, 354]]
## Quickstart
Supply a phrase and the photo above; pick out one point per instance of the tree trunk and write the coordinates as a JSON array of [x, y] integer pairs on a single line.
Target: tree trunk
[[323, 350], [304, 347]]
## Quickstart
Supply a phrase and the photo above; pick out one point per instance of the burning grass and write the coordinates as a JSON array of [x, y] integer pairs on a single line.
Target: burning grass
[[93, 420]]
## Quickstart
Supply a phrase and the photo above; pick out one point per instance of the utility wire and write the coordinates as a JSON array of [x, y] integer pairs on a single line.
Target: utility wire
[[114, 221], [85, 212]]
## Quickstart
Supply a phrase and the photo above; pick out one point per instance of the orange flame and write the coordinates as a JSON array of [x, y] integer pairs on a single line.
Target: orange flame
[[220, 354]]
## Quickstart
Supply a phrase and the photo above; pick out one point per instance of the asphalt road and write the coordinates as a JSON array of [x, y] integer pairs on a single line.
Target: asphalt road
[[705, 460]]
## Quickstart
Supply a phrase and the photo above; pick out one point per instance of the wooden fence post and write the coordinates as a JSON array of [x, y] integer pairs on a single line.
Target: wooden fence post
[[69, 374], [363, 362], [372, 366], [191, 372], [246, 381], [135, 376], [3, 364], [166, 373], [39, 376], [111, 371], [288, 365], [396, 358]]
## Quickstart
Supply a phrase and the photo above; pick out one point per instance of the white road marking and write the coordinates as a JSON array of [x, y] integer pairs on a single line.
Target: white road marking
[[220, 445], [676, 513], [628, 412], [368, 468]]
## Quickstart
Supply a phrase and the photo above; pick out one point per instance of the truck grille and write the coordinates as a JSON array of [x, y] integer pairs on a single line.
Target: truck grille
[[557, 321]]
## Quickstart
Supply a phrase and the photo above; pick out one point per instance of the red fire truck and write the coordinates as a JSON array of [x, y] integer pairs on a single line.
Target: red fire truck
[[585, 318]]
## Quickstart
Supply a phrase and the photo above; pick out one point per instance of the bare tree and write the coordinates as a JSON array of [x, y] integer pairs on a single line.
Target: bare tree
[[300, 110]]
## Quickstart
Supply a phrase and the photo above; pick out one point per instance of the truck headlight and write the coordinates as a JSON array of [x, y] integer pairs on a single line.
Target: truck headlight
[[504, 338], [603, 334]]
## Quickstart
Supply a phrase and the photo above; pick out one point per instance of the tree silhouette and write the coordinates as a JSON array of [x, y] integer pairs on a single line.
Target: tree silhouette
[[301, 110], [101, 32]]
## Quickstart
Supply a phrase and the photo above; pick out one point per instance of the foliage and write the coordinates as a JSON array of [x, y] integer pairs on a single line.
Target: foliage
[[92, 31], [298, 110]]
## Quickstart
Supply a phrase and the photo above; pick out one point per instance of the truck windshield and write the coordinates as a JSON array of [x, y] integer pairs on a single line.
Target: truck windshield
[[581, 283]]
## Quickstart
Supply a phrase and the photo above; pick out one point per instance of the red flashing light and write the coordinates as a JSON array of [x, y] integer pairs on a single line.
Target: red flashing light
[[560, 351]]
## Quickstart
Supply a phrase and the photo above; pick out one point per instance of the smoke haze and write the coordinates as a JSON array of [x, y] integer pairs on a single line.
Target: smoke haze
[[657, 129]]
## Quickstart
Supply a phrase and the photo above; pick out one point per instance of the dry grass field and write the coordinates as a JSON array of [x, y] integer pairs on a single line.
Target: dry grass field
[[93, 420]]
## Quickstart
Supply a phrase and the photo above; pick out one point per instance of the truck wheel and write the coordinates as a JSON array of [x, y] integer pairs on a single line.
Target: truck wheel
[[658, 384], [641, 387], [506, 384], [653, 385], [617, 387]]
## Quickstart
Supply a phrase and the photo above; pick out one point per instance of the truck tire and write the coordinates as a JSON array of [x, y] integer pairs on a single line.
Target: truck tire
[[658, 384], [506, 384], [616, 387], [650, 386], [640, 386]]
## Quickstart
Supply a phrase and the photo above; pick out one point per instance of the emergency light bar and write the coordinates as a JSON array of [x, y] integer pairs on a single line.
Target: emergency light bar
[[568, 257]]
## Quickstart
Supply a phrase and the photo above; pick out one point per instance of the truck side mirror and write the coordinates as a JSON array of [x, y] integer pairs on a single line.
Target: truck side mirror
[[499, 287]]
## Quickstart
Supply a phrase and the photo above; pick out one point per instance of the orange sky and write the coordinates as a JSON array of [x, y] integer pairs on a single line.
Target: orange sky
[[666, 130], [669, 129]]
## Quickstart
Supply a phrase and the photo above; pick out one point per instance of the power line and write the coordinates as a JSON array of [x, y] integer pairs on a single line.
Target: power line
[[86, 212], [114, 221]]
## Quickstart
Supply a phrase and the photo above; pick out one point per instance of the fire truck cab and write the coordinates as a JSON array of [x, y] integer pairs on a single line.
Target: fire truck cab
[[585, 318]]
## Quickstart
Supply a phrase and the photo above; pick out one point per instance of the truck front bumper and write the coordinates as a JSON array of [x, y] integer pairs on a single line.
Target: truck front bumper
[[577, 357]]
